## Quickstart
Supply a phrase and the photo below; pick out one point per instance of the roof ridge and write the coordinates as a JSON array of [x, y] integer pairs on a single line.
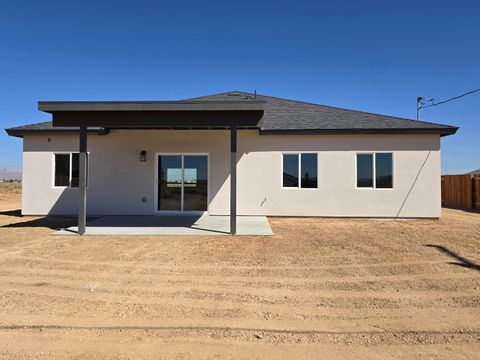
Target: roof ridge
[[326, 106], [220, 93]]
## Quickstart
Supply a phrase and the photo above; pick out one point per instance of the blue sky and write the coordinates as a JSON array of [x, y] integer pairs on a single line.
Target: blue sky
[[365, 55]]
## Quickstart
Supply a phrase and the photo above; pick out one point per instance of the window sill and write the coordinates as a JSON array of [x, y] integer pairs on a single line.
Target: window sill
[[371, 188], [299, 188]]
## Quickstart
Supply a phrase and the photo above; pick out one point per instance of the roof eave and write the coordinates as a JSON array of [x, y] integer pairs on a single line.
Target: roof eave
[[441, 131], [21, 132], [15, 133]]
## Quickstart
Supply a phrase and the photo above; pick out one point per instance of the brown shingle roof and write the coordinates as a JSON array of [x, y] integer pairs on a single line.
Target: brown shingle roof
[[290, 116]]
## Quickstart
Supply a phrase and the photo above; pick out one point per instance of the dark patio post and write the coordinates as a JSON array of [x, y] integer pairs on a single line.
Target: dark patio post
[[82, 182], [233, 180]]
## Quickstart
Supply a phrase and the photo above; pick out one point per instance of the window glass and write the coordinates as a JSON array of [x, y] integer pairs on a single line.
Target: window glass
[[195, 182], [383, 171], [170, 182], [67, 172], [290, 170], [62, 169], [309, 170], [364, 170]]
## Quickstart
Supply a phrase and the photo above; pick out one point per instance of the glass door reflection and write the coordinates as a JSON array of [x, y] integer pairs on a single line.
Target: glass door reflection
[[195, 182], [182, 183], [170, 182]]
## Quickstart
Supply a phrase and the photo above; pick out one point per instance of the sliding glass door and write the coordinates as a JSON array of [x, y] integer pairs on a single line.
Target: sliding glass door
[[170, 183], [182, 183]]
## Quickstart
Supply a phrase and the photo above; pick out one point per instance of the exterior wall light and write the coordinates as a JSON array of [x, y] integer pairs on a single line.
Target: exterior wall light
[[143, 156]]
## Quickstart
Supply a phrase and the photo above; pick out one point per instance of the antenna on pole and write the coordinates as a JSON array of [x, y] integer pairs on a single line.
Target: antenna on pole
[[421, 102]]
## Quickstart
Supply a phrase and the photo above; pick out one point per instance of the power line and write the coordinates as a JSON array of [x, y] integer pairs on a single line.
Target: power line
[[451, 99], [421, 101]]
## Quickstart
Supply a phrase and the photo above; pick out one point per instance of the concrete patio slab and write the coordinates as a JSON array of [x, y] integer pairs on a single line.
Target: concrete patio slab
[[172, 225]]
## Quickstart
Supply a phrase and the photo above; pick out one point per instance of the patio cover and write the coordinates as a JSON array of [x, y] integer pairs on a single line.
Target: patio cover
[[245, 114]]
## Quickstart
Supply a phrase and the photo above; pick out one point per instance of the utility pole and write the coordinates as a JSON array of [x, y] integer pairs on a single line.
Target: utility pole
[[422, 103], [419, 106]]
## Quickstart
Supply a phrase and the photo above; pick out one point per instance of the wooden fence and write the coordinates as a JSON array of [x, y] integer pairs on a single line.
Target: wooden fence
[[461, 191]]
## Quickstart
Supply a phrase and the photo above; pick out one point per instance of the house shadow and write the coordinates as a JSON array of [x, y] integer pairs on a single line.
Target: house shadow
[[63, 214], [51, 222], [152, 224], [125, 221], [14, 213], [461, 261], [66, 223]]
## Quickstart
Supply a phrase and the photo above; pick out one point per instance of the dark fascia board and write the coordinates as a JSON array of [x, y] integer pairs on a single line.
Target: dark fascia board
[[155, 119], [441, 131], [21, 132], [55, 106]]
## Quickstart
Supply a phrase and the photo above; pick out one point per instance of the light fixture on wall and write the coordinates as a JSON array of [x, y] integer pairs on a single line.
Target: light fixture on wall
[[143, 156]]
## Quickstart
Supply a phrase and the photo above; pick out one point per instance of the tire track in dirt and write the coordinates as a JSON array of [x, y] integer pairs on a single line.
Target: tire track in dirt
[[277, 336]]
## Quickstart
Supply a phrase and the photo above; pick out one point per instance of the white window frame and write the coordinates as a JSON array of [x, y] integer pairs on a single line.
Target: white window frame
[[374, 164], [69, 169], [299, 187]]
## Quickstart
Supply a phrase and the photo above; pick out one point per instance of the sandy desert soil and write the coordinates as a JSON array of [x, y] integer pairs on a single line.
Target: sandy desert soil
[[319, 288]]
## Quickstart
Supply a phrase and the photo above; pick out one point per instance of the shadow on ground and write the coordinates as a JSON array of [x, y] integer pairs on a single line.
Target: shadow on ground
[[51, 222], [461, 261]]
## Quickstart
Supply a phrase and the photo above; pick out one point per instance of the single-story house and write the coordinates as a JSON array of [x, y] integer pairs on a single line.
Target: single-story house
[[227, 154]]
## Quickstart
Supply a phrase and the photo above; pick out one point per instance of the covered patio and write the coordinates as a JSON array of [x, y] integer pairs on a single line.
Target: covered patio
[[167, 115], [205, 224]]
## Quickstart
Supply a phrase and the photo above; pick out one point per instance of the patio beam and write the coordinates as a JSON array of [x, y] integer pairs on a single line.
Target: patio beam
[[233, 180], [82, 182], [152, 119]]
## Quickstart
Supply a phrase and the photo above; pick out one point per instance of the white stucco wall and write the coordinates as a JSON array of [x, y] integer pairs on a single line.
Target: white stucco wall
[[118, 180]]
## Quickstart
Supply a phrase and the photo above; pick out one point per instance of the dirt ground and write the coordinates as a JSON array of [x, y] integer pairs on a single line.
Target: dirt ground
[[318, 288]]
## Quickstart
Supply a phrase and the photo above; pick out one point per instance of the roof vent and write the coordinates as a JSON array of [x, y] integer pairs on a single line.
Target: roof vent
[[234, 94]]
